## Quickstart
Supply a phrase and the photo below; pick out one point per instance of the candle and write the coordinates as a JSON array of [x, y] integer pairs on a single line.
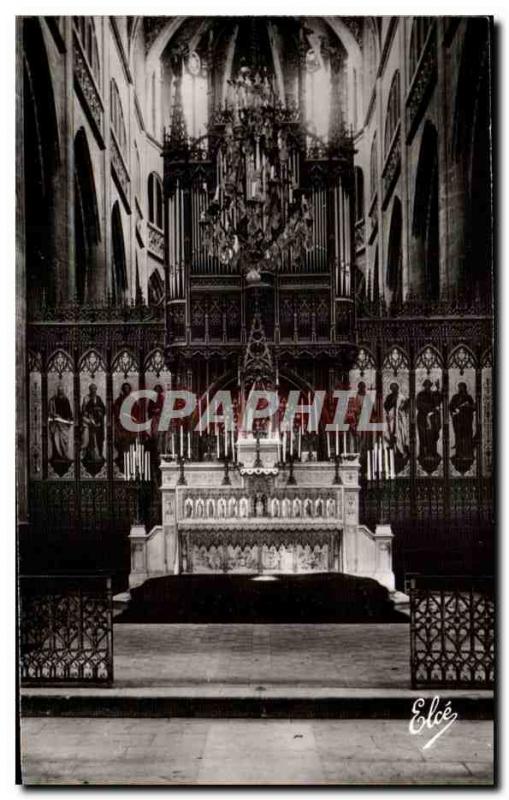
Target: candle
[[284, 446], [233, 442], [189, 445], [181, 441], [369, 466], [337, 440], [386, 452], [225, 437], [291, 440], [300, 443], [380, 466], [217, 443], [328, 445], [208, 413], [344, 443], [172, 445], [199, 416], [393, 470]]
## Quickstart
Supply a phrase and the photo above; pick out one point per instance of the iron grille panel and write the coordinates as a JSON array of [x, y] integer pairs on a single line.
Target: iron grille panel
[[452, 622], [66, 630]]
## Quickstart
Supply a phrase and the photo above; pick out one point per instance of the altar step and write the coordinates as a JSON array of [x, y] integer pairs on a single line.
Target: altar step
[[234, 701], [317, 598]]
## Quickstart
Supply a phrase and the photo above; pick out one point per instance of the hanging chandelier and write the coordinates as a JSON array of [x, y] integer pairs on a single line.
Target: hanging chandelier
[[258, 212]]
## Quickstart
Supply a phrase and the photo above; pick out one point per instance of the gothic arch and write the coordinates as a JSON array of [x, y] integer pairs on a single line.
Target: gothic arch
[[394, 270], [425, 223], [472, 146], [86, 219], [119, 283], [41, 165]]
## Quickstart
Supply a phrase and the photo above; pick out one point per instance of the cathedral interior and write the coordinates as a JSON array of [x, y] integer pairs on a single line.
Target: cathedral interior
[[208, 203]]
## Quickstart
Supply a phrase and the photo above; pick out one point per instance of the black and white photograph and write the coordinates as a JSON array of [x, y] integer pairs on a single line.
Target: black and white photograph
[[255, 400]]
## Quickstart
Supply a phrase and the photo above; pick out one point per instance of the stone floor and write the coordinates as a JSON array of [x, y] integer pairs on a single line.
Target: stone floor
[[203, 751], [350, 656]]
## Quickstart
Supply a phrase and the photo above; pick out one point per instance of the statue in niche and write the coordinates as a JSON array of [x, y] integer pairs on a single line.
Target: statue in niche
[[397, 408], [60, 430], [243, 507], [221, 507], [308, 509], [429, 424], [93, 412], [286, 507], [232, 507], [188, 508], [259, 506], [462, 409], [331, 507], [319, 508]]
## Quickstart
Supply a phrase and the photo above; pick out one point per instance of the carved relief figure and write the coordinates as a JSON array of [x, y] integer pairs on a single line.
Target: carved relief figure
[[429, 423], [154, 409], [60, 429], [397, 408], [462, 409], [93, 412], [122, 438]]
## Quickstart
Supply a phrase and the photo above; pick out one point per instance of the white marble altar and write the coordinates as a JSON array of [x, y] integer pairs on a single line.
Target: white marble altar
[[261, 516]]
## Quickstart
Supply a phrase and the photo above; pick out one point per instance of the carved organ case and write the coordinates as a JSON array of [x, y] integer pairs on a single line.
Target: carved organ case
[[258, 177]]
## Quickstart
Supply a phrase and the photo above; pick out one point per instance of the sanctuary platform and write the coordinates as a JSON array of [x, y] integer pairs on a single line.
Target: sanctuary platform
[[258, 671]]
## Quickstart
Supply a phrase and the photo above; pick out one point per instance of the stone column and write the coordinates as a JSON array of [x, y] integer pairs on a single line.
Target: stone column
[[139, 572], [383, 557], [170, 476], [349, 467]]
